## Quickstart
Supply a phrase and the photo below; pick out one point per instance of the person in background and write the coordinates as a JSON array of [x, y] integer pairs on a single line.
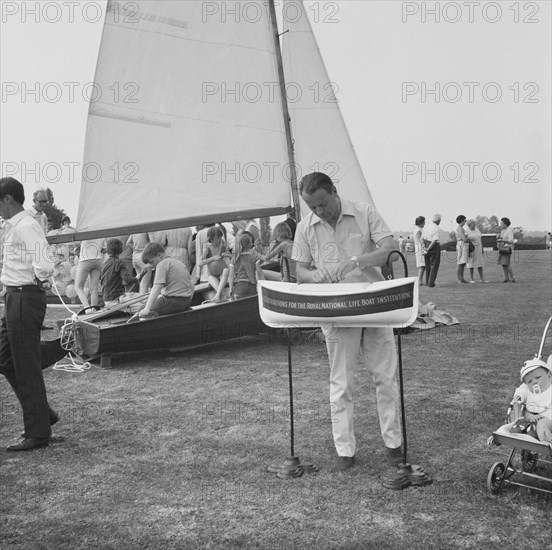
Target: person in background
[[419, 248], [341, 241], [179, 244], [114, 274], [475, 259], [172, 288], [400, 243], [25, 277], [138, 242], [40, 200], [90, 264], [291, 222], [430, 236], [216, 258], [462, 248], [201, 272], [282, 247], [506, 241], [244, 268]]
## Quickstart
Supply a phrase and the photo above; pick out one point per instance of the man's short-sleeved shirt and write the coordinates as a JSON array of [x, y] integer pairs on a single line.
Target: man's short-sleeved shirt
[[431, 232], [359, 228], [175, 276]]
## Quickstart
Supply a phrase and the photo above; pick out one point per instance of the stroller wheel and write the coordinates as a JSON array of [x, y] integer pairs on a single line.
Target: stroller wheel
[[528, 460], [495, 477]]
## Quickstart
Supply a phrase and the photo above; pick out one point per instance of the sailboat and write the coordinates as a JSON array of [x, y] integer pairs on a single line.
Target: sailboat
[[200, 132]]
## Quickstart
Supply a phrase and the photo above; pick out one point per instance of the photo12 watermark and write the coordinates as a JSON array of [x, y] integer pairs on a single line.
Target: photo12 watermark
[[69, 92], [67, 11], [214, 172], [469, 172], [254, 11], [470, 12], [52, 172], [268, 92], [470, 92]]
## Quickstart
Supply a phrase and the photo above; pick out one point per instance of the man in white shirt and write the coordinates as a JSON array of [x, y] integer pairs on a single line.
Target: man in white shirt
[[430, 235], [346, 242], [40, 200], [27, 265]]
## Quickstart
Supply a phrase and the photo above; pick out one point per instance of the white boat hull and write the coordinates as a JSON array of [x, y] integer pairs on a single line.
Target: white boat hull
[[392, 303]]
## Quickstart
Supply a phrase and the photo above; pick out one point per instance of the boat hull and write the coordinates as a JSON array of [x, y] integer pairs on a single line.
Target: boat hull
[[198, 326]]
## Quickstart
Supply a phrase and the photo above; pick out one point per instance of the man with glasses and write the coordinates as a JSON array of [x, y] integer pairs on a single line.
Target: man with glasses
[[40, 200]]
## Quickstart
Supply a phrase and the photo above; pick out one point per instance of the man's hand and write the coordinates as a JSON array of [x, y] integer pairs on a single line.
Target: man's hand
[[333, 274], [144, 313]]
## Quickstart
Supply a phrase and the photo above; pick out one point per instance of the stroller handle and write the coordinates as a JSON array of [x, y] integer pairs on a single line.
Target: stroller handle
[[539, 356]]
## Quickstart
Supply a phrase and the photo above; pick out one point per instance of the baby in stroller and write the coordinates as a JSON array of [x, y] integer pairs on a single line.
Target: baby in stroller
[[532, 403]]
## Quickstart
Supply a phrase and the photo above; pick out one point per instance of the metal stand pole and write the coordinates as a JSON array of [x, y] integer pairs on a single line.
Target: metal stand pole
[[292, 466]]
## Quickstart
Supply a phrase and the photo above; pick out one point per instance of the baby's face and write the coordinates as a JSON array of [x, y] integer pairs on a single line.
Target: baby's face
[[540, 376]]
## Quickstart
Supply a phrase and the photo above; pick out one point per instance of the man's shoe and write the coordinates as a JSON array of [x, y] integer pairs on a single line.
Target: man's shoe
[[46, 327], [29, 444], [54, 419], [405, 475], [342, 464]]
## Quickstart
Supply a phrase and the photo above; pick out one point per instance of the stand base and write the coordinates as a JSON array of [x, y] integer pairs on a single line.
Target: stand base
[[291, 468], [406, 475]]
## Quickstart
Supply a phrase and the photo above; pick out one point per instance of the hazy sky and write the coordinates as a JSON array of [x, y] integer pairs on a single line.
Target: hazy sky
[[447, 103]]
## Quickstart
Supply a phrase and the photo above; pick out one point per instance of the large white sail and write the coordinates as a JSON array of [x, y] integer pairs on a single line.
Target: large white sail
[[321, 139], [189, 124]]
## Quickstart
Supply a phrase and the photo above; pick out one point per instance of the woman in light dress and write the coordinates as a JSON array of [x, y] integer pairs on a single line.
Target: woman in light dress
[[419, 248], [506, 238], [475, 259], [461, 248]]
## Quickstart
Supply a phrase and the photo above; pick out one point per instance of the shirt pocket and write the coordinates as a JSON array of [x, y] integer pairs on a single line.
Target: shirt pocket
[[355, 244]]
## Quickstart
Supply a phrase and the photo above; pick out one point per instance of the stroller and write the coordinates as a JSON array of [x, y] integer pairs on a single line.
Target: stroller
[[532, 452]]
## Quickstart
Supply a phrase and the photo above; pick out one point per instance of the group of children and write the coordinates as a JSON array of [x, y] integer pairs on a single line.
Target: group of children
[[173, 286]]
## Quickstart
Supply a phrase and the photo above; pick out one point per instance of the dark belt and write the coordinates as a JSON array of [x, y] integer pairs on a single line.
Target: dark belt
[[23, 288]]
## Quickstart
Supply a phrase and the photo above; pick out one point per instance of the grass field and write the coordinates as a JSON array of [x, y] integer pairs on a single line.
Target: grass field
[[169, 451]]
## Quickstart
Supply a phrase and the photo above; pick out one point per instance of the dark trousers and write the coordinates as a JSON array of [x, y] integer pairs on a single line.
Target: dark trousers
[[21, 357], [432, 260]]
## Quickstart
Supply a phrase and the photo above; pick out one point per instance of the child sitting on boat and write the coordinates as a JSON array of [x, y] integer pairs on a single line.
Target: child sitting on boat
[[532, 403], [245, 267], [172, 288], [114, 274], [217, 261], [282, 248]]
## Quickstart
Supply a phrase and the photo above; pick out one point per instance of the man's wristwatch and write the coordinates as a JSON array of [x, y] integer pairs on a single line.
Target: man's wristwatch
[[355, 259]]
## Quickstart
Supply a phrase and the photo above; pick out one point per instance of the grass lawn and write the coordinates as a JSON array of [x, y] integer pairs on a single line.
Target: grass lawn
[[169, 451]]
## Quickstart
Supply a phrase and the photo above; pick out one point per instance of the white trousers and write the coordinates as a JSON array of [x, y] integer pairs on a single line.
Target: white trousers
[[377, 348]]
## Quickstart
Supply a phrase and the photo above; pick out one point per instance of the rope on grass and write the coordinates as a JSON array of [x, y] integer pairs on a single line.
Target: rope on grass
[[73, 364]]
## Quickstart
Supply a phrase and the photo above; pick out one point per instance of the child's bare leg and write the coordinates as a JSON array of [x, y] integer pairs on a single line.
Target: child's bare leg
[[222, 285], [213, 281], [260, 274], [271, 275]]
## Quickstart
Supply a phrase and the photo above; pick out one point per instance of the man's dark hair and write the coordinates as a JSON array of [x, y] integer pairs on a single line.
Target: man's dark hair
[[114, 247], [315, 181], [506, 221], [10, 186], [461, 218], [419, 220]]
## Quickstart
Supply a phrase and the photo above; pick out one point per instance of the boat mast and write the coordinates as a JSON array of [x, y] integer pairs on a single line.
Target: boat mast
[[285, 112]]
